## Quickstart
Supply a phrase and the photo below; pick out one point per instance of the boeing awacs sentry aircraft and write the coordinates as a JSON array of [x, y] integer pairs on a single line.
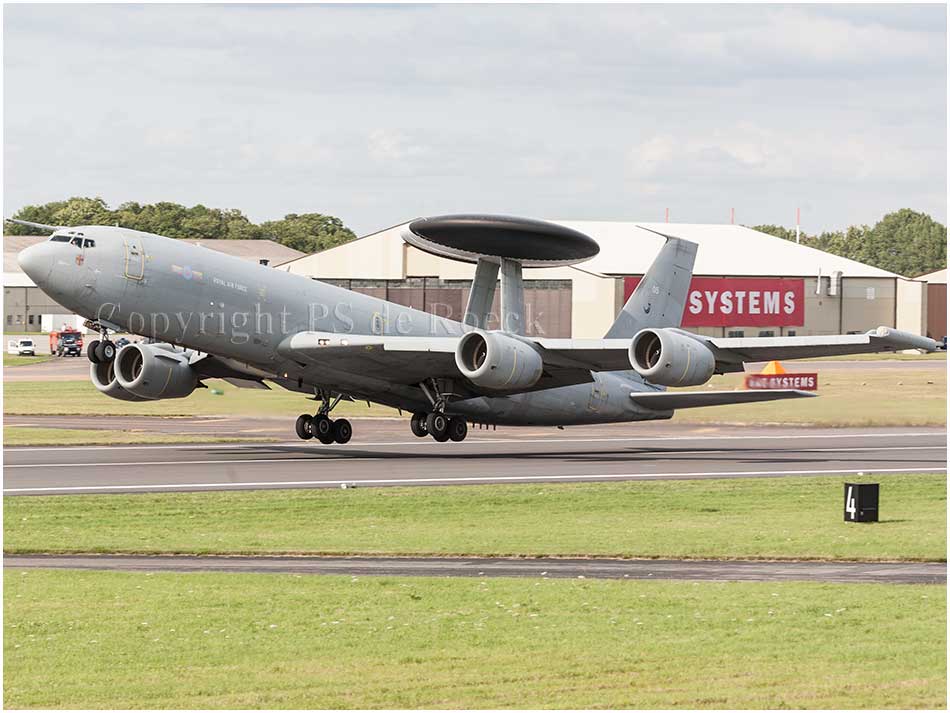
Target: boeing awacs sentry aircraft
[[209, 315]]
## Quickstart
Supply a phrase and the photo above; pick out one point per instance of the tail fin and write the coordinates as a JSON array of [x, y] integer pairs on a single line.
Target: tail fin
[[660, 297]]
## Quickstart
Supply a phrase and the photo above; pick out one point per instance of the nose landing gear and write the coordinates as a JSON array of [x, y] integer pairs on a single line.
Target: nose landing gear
[[321, 426], [100, 351]]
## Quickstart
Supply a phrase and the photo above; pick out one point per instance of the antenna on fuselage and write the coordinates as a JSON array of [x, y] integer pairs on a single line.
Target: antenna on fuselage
[[38, 226]]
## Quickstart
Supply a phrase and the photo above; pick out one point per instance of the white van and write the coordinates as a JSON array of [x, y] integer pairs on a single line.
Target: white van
[[21, 347]]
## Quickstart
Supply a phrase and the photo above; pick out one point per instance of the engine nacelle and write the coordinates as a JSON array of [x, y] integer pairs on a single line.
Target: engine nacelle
[[155, 371], [670, 358], [498, 362], [103, 378]]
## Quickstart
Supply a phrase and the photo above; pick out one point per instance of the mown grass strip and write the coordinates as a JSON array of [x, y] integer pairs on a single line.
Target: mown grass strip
[[124, 640], [772, 518]]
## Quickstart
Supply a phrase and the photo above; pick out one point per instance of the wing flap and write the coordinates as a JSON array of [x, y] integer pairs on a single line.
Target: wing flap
[[670, 401]]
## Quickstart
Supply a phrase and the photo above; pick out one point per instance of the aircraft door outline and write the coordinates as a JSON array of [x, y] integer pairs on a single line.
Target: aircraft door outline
[[134, 259]]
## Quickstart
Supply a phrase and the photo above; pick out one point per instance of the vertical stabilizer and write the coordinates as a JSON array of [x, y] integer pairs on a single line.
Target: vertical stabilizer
[[660, 297]]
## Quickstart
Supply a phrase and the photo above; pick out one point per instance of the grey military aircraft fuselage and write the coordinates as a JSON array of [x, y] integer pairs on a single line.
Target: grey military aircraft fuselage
[[173, 291], [210, 315]]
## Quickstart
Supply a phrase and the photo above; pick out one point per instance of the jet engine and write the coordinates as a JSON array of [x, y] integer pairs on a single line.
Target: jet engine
[[155, 371], [498, 362], [103, 378], [671, 358]]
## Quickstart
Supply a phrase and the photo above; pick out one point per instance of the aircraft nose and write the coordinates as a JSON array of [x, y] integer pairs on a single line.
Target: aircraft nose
[[36, 261]]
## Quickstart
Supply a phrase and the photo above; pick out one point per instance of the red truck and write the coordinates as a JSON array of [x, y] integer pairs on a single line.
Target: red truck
[[66, 342]]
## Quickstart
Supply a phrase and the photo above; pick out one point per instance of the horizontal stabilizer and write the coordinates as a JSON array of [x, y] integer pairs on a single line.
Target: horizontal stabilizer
[[670, 401]]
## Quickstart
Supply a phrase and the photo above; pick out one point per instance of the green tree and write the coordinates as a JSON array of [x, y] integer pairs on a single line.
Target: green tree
[[905, 242], [908, 243], [75, 211], [308, 232]]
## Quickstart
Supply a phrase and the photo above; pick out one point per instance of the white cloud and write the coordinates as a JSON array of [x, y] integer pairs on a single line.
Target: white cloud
[[380, 113]]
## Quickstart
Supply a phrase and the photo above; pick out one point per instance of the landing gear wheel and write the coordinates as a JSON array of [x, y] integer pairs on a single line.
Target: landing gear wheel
[[458, 428], [91, 351], [322, 428], [342, 430], [437, 424], [108, 350], [105, 351], [302, 427], [418, 424]]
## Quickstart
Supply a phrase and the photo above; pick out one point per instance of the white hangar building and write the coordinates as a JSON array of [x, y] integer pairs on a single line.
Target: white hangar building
[[745, 283]]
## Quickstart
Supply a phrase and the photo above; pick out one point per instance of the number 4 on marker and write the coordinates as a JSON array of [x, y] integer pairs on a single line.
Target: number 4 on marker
[[849, 506]]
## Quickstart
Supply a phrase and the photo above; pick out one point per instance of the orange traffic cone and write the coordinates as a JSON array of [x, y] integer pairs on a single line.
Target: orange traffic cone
[[774, 367]]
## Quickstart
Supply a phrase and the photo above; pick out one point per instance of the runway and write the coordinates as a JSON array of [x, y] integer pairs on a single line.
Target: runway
[[701, 570], [384, 454]]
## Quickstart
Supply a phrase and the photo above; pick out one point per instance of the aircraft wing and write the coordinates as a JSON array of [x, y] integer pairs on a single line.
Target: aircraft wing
[[670, 401], [409, 360], [402, 360], [732, 352]]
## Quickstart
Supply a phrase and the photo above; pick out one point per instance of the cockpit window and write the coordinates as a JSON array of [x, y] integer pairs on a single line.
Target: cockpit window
[[90, 243], [77, 242], [59, 239]]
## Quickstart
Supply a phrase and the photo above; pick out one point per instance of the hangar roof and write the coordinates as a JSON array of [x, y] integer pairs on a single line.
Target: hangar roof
[[723, 250], [935, 278], [625, 249]]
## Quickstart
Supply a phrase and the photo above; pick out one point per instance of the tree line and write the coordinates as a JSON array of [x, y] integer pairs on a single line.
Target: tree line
[[905, 241], [307, 232]]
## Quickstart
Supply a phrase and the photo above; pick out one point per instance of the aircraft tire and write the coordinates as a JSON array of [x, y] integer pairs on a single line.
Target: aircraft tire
[[106, 351], [437, 424], [458, 428], [302, 427], [418, 424], [91, 351], [342, 431], [322, 429]]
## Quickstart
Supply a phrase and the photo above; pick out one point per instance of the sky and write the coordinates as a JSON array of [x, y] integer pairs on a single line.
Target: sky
[[382, 113]]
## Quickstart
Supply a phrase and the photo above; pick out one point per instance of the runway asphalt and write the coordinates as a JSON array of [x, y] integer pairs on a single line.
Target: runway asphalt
[[706, 570], [383, 453]]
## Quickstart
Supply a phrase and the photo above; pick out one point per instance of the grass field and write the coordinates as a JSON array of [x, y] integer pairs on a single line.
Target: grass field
[[122, 640], [852, 397], [846, 397], [33, 436], [754, 518], [81, 398], [16, 360]]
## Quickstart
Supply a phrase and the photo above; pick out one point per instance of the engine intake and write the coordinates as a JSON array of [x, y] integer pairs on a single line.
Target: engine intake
[[155, 371], [671, 358], [103, 378], [498, 362]]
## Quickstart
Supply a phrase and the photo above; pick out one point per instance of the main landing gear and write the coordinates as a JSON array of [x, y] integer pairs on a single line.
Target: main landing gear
[[441, 427], [435, 423], [322, 427]]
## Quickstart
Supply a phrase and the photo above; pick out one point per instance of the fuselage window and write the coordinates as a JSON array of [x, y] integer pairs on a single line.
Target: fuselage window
[[59, 239]]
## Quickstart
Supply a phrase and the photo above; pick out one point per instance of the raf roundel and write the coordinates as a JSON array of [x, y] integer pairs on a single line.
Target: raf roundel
[[468, 238]]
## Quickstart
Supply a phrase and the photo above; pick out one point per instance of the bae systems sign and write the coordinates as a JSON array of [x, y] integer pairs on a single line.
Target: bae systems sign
[[740, 301]]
